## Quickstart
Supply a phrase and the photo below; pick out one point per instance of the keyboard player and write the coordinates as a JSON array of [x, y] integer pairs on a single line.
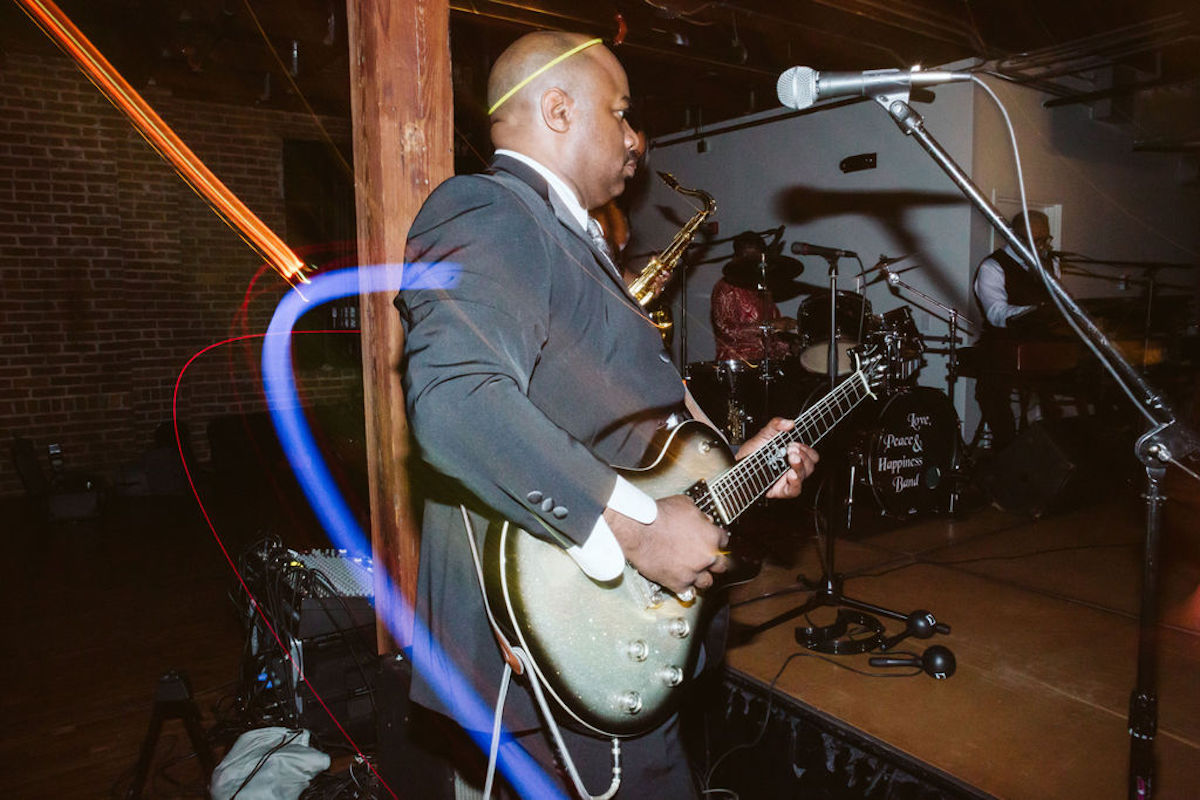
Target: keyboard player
[[1015, 307]]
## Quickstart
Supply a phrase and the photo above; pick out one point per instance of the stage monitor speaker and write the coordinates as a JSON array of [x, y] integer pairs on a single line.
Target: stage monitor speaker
[[1041, 471]]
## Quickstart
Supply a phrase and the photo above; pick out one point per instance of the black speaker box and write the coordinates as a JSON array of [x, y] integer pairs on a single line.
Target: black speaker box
[[1044, 470]]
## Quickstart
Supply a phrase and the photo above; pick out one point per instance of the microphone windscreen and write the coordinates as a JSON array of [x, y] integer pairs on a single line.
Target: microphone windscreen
[[797, 87]]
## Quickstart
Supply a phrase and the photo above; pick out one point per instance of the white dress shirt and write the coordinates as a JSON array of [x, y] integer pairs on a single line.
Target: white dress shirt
[[600, 557], [993, 294]]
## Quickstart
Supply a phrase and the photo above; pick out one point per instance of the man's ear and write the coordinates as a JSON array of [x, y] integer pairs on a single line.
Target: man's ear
[[557, 108]]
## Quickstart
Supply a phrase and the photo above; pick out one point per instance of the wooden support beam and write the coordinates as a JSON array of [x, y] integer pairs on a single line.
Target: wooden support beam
[[403, 116]]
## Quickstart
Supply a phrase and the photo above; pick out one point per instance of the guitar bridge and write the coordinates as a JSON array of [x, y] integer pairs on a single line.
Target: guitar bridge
[[646, 593]]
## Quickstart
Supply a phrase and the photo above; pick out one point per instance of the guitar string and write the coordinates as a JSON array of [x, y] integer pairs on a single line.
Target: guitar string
[[738, 483]]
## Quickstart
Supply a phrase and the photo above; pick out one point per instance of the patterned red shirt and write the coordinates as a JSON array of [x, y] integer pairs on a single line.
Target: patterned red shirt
[[737, 314]]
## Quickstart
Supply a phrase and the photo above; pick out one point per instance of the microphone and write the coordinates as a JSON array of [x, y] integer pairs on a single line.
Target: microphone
[[800, 87], [806, 249], [937, 661]]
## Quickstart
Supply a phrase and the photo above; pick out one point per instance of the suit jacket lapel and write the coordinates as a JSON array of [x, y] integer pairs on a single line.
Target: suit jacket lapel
[[529, 176]]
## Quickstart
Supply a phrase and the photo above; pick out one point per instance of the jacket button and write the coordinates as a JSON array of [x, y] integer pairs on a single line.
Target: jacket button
[[666, 359], [534, 497], [559, 512], [547, 504]]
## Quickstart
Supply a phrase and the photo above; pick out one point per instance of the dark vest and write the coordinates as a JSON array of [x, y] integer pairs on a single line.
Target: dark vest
[[1023, 287]]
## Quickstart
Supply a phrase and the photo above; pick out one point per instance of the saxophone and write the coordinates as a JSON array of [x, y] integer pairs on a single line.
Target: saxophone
[[649, 284]]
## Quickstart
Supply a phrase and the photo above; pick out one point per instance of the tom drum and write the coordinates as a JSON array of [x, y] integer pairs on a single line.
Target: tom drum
[[853, 321]]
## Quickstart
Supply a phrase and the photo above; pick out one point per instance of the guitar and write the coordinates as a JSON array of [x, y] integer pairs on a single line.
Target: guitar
[[616, 656]]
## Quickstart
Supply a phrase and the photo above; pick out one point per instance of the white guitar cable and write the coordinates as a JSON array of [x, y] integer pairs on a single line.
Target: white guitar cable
[[539, 696]]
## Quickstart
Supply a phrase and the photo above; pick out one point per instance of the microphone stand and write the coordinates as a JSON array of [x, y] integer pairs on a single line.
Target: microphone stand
[[1166, 441], [828, 590]]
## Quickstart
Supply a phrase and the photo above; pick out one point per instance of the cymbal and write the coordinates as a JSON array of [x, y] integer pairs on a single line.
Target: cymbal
[[780, 274], [752, 268], [883, 261]]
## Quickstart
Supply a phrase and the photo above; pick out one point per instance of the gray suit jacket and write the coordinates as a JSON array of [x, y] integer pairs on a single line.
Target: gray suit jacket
[[523, 383]]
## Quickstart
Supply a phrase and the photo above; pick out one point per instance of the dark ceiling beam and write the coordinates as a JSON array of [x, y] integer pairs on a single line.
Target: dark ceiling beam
[[895, 14], [1177, 144], [1116, 91], [773, 22], [525, 16], [1124, 40]]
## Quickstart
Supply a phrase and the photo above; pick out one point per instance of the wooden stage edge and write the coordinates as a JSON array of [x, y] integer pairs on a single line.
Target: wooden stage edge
[[795, 708], [1044, 626]]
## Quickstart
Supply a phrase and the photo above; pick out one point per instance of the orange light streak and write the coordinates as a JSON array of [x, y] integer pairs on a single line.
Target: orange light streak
[[55, 24]]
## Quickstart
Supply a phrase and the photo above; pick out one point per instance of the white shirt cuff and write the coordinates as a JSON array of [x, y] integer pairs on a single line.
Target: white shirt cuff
[[631, 501], [601, 557]]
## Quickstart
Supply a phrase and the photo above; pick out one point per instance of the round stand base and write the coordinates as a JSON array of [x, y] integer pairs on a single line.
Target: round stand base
[[833, 639]]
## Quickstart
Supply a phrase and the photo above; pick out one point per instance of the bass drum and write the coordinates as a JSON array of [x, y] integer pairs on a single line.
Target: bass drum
[[911, 451]]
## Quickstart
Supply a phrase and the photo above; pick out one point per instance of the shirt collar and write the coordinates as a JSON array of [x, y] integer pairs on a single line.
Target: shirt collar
[[557, 185]]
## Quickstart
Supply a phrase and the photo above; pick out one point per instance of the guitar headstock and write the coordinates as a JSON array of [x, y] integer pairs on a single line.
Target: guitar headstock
[[872, 363]]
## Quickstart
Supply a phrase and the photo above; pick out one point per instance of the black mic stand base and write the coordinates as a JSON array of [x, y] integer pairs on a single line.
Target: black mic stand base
[[827, 592], [837, 638]]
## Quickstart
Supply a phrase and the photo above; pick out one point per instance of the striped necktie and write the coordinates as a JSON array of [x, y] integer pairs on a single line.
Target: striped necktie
[[596, 233]]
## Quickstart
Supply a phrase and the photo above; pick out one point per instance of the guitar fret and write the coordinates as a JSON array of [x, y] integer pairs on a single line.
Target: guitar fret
[[741, 485]]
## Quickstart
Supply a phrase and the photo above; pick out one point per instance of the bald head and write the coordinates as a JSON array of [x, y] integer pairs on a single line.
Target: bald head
[[531, 57], [569, 116]]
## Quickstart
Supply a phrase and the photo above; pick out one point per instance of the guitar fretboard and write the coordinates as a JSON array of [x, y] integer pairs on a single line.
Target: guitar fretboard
[[739, 487]]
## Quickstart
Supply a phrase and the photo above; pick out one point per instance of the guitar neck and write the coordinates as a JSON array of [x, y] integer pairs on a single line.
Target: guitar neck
[[740, 486]]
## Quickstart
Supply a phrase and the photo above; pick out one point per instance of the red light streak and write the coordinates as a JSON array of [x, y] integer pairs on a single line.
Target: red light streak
[[233, 564]]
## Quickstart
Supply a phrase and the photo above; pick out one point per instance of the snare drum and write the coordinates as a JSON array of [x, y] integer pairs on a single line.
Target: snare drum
[[853, 321], [910, 451]]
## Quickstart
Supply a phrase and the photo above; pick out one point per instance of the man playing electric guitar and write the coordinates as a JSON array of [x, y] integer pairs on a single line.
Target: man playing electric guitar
[[530, 377]]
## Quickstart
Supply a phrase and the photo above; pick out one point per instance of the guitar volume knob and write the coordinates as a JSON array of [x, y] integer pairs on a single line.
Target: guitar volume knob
[[679, 628], [638, 650], [631, 703], [671, 675]]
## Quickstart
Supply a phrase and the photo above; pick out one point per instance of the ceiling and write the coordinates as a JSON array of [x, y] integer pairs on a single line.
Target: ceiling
[[690, 62]]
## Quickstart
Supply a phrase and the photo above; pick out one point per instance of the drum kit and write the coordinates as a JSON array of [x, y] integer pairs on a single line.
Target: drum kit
[[903, 448], [904, 452]]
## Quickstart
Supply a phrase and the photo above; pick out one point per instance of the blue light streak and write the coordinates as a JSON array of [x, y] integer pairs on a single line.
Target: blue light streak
[[336, 517]]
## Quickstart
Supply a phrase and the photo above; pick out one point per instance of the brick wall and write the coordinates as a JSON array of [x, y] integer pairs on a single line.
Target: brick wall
[[115, 273]]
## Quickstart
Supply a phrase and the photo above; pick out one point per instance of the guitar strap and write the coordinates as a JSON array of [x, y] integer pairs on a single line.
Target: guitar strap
[[514, 662], [506, 649]]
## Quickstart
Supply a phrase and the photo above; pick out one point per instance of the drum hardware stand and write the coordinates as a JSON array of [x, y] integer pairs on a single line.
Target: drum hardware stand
[[1167, 441], [764, 365], [172, 700], [828, 590], [961, 475]]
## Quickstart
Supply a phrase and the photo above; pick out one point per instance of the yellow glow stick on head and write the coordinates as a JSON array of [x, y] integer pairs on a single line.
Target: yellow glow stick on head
[[525, 81]]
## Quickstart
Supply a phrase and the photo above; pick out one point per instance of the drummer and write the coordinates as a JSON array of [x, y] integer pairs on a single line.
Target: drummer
[[746, 322]]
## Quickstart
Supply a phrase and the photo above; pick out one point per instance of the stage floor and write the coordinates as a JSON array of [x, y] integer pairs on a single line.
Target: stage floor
[[1044, 630]]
